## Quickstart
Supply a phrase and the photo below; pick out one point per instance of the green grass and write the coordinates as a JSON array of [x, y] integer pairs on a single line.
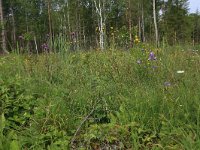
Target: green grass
[[96, 100]]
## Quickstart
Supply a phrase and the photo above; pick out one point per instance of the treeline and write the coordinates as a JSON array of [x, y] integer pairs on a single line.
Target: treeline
[[49, 25]]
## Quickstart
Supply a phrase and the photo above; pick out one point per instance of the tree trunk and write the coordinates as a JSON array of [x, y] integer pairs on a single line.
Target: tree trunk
[[101, 32], [101, 23], [50, 23], [155, 23], [36, 47], [13, 28], [3, 35], [139, 28], [130, 25], [68, 18], [139, 22], [143, 30]]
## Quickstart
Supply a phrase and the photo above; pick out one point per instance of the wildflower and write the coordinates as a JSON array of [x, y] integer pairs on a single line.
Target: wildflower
[[21, 37], [180, 71], [45, 46], [139, 61], [167, 84], [72, 33], [152, 56], [136, 40]]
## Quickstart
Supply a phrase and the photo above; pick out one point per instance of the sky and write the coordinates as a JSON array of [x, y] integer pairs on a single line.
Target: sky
[[194, 5]]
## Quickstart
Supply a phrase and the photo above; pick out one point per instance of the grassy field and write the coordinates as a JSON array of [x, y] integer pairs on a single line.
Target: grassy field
[[101, 100]]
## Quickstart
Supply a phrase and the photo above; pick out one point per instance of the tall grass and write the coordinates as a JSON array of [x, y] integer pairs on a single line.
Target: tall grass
[[136, 105]]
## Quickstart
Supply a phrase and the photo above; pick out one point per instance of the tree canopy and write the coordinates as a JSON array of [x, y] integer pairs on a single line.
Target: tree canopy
[[84, 24]]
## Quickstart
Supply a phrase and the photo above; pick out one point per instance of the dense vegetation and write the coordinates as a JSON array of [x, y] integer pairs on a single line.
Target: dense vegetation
[[139, 99], [99, 74], [37, 25]]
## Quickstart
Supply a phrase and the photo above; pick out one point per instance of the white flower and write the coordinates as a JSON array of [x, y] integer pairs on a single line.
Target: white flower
[[180, 71]]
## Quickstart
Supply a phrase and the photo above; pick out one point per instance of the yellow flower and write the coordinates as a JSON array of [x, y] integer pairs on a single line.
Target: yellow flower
[[136, 40]]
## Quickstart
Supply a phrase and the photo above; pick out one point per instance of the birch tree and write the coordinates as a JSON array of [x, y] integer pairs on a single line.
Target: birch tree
[[101, 10], [155, 23], [130, 24]]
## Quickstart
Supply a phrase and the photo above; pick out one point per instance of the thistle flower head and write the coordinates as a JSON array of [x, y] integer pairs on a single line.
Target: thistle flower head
[[152, 56]]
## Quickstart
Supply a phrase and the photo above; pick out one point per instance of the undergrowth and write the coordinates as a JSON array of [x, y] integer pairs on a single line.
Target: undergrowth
[[101, 100]]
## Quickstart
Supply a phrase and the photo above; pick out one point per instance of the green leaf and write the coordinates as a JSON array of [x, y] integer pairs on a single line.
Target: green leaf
[[2, 122], [14, 145]]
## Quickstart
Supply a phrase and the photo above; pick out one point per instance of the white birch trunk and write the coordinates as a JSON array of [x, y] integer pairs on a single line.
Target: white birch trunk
[[36, 47], [130, 25], [155, 23], [101, 23], [101, 35]]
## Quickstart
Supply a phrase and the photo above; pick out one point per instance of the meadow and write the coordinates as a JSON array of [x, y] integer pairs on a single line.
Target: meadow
[[144, 98]]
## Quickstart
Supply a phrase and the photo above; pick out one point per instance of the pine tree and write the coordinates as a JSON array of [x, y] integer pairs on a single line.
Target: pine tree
[[175, 21]]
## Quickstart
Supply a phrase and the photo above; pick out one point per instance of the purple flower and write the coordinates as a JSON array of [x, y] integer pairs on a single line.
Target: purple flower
[[72, 33], [21, 37], [45, 46], [152, 56], [167, 84]]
